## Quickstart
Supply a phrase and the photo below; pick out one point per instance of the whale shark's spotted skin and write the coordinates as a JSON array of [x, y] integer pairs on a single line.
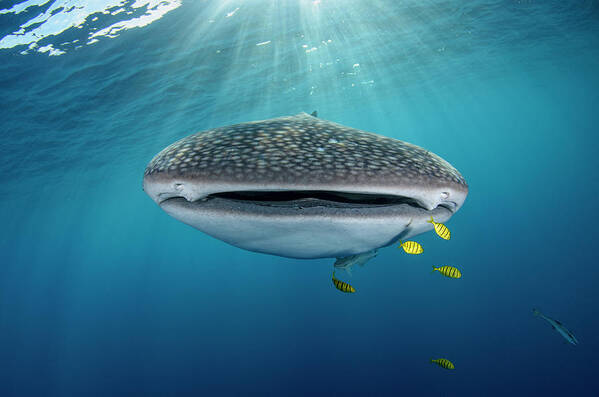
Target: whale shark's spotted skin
[[304, 150]]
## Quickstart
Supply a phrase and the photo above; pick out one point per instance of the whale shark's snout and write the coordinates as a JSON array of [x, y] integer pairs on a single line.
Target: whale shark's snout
[[303, 187]]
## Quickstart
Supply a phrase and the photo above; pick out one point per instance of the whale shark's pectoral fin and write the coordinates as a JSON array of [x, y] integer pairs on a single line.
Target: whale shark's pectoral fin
[[404, 232]]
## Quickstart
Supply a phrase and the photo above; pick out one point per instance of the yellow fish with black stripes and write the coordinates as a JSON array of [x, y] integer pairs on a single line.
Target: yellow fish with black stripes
[[443, 362], [343, 286], [441, 230], [411, 247], [448, 271]]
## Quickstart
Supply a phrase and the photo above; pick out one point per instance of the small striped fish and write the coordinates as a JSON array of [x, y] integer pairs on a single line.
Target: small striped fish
[[342, 286], [411, 247], [443, 362], [441, 230], [448, 271]]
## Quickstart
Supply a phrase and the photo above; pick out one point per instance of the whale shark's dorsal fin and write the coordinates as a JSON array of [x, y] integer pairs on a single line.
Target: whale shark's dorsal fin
[[314, 114]]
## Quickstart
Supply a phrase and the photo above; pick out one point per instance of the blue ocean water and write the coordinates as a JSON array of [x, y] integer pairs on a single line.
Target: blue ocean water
[[103, 294]]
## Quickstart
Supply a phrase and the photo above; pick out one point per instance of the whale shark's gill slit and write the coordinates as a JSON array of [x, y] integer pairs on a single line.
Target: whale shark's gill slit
[[294, 197]]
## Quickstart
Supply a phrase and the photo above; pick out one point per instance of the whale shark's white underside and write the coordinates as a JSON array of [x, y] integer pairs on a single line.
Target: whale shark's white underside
[[303, 187]]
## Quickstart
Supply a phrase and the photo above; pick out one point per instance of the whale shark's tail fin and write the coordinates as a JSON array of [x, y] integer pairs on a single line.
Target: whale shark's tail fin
[[536, 312]]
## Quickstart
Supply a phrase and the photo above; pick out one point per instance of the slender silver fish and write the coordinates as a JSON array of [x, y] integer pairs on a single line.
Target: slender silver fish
[[556, 325], [303, 187]]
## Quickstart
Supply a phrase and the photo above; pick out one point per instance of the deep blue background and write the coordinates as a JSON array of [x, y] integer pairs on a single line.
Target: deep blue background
[[101, 293]]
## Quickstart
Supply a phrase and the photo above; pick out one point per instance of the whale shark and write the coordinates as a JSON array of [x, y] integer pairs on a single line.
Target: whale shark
[[303, 187]]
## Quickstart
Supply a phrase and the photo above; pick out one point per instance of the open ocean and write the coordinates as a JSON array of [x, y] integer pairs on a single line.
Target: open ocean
[[104, 294]]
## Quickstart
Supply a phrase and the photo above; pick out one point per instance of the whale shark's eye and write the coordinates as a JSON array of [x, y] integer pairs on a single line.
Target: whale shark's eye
[[444, 195]]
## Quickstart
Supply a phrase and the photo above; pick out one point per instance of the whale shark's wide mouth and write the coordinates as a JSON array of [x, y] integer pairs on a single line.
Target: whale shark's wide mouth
[[324, 198], [309, 198]]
